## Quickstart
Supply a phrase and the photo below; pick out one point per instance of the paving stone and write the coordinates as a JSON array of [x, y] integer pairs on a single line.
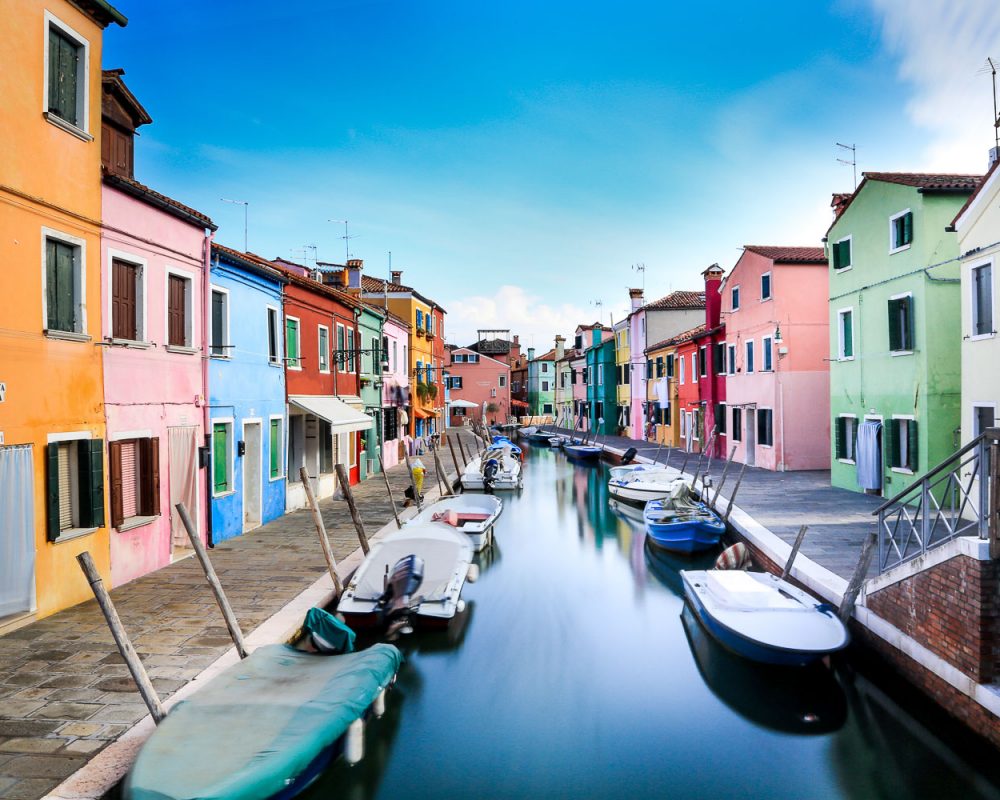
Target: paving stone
[[84, 695], [69, 681], [112, 731], [30, 789], [85, 746], [33, 745], [80, 729], [67, 710], [26, 727], [43, 766], [19, 708], [129, 713]]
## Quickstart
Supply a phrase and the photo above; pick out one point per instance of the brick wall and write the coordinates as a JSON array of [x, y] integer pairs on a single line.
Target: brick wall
[[952, 610]]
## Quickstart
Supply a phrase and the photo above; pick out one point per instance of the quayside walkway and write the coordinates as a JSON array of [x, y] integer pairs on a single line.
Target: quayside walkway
[[65, 693]]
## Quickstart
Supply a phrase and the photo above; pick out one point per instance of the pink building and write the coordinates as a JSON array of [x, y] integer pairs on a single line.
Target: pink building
[[776, 312], [395, 388], [154, 252], [479, 379]]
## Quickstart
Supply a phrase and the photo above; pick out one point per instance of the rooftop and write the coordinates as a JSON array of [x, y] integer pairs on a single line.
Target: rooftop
[[678, 299], [789, 255], [941, 182], [142, 192], [686, 336]]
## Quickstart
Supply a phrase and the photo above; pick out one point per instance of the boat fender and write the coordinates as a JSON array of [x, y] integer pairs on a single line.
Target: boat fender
[[473, 574], [735, 557], [378, 705], [629, 455], [354, 742]]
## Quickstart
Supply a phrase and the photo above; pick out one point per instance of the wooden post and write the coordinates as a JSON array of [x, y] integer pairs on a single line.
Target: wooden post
[[722, 480], [324, 540], [795, 551], [454, 459], [388, 490], [345, 487], [687, 455], [142, 682], [439, 467], [213, 581], [461, 448], [858, 579], [413, 481], [732, 497]]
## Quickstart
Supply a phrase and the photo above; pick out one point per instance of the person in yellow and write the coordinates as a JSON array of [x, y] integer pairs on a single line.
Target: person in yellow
[[417, 467]]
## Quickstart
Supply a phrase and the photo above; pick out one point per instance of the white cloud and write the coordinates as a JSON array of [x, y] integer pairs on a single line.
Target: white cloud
[[942, 46], [514, 308]]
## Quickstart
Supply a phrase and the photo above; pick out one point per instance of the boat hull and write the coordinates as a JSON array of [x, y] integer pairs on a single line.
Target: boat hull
[[582, 452], [684, 535]]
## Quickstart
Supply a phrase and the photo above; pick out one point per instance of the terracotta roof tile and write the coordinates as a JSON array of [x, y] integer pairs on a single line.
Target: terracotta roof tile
[[143, 192], [929, 181], [789, 255], [678, 299], [372, 284], [686, 336]]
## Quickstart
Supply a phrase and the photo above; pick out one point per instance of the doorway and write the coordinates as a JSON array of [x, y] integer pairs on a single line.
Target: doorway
[[17, 532], [252, 475], [751, 437], [182, 465]]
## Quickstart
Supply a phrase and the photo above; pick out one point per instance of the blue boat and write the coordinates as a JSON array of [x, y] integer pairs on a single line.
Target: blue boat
[[514, 449], [683, 526], [583, 452]]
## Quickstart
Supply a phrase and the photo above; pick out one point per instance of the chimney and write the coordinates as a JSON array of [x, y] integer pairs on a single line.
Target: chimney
[[531, 354], [838, 203], [713, 299], [560, 347], [352, 274], [397, 275], [636, 296], [994, 157], [515, 350]]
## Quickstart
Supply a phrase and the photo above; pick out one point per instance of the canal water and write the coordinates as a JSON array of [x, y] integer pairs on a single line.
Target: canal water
[[578, 674]]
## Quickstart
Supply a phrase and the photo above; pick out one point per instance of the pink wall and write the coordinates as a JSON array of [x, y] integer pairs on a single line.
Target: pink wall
[[798, 388], [637, 374], [478, 382], [148, 389], [397, 375]]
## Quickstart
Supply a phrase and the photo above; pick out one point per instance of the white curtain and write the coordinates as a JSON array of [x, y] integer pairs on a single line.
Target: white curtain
[[17, 531], [182, 453], [869, 455]]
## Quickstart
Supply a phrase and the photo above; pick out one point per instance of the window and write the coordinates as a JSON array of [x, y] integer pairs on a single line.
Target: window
[[273, 355], [694, 368], [126, 300], [845, 334], [515, 387], [649, 369], [983, 418], [680, 361], [600, 374], [735, 295], [222, 458], [737, 435], [420, 319], [64, 279], [493, 391], [845, 437], [749, 358], [720, 418], [390, 424], [765, 427], [547, 408], [982, 300], [765, 286], [385, 354], [473, 358], [134, 470], [901, 324], [458, 358], [275, 447], [292, 342], [545, 386], [502, 380], [545, 366], [731, 350], [458, 411], [324, 348], [325, 442], [352, 354], [179, 331], [767, 353], [66, 67], [341, 355], [659, 366], [719, 358], [841, 252], [903, 444], [670, 366], [456, 381], [74, 488], [703, 361], [900, 231], [220, 323]]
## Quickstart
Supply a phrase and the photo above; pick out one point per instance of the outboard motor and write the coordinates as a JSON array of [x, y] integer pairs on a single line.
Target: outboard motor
[[629, 455], [491, 469], [398, 601]]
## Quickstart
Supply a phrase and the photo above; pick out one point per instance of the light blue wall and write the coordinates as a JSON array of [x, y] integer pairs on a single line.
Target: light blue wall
[[246, 386]]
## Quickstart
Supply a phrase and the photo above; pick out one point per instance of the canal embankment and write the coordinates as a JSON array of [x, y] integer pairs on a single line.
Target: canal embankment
[[71, 719]]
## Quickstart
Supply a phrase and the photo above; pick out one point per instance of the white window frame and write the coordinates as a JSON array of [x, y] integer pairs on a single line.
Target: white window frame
[[545, 387], [730, 359], [853, 417], [767, 353], [694, 367], [849, 267], [141, 295], [190, 332], [282, 461], [600, 374], [840, 334], [351, 343], [988, 262], [340, 359], [680, 360], [703, 349], [756, 433], [984, 404], [279, 336], [896, 353], [892, 231], [323, 357], [748, 358], [892, 420], [83, 81], [734, 294], [80, 284], [770, 286], [230, 456], [225, 324], [298, 342], [502, 381]]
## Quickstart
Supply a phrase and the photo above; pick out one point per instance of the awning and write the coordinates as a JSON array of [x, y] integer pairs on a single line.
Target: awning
[[519, 403], [462, 404], [419, 413], [342, 417]]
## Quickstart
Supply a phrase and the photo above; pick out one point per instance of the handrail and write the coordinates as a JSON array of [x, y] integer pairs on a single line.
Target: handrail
[[990, 433]]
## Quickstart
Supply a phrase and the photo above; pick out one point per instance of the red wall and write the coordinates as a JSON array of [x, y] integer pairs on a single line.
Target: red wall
[[314, 308]]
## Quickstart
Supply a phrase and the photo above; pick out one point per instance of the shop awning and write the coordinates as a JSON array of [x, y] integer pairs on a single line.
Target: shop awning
[[342, 417], [419, 413], [519, 403], [460, 403]]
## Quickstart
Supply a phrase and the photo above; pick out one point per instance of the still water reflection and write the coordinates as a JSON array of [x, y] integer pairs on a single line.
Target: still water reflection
[[577, 673]]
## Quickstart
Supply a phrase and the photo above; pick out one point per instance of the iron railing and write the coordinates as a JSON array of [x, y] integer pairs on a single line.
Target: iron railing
[[951, 500]]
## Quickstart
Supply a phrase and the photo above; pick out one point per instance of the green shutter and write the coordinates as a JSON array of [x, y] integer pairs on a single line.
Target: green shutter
[[90, 466], [291, 343], [847, 331], [908, 326], [220, 450], [275, 448], [63, 66], [912, 444], [840, 435], [893, 429], [907, 228], [60, 288], [52, 490], [894, 326]]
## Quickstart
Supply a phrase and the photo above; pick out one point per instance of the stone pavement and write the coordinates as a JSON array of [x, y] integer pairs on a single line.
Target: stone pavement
[[65, 693], [838, 520]]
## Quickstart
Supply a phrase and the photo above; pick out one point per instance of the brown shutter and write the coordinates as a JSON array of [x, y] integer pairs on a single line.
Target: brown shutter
[[151, 477], [175, 312], [123, 300], [115, 470]]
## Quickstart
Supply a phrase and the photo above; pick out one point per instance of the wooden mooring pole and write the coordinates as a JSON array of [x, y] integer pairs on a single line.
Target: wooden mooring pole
[[858, 579], [687, 455], [447, 490], [388, 491], [461, 448], [345, 487], [131, 658], [795, 551], [722, 480], [454, 458], [213, 581], [732, 497], [324, 540]]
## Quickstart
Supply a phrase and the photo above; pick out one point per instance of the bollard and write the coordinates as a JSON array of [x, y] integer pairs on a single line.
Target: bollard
[[345, 486], [324, 540], [388, 490], [128, 654], [213, 581], [795, 551]]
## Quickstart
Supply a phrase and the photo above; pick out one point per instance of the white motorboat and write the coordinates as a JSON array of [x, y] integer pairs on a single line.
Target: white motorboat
[[761, 617], [413, 575], [472, 514], [495, 468], [639, 483]]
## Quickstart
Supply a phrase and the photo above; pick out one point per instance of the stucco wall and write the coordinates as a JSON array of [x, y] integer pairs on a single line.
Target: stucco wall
[[481, 384], [396, 377]]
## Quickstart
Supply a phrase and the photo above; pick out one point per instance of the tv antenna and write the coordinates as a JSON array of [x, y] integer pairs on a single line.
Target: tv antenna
[[347, 239], [303, 253], [641, 268], [991, 67], [246, 205], [599, 305], [853, 163]]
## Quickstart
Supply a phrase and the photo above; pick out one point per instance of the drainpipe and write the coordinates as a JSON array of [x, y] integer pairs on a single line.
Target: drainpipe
[[206, 298]]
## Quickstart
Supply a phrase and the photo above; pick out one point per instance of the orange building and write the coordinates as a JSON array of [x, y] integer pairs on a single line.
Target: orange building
[[52, 496]]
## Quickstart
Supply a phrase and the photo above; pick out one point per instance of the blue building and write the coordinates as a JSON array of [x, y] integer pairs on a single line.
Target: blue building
[[602, 389], [246, 385]]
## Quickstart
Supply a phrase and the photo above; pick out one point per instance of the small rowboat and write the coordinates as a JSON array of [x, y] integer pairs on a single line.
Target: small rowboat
[[582, 452], [264, 728], [761, 617], [472, 514]]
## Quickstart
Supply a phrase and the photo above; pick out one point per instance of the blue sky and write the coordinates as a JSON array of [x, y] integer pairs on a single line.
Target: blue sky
[[518, 158]]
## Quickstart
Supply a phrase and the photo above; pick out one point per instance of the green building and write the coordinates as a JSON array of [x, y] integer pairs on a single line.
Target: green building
[[895, 338], [542, 383], [602, 386], [373, 357]]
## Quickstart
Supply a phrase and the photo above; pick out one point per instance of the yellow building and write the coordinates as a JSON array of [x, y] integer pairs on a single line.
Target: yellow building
[[51, 381], [663, 426], [622, 377]]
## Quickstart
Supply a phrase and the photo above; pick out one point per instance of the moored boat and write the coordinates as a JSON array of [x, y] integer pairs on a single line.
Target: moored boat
[[639, 483], [472, 514], [503, 441], [494, 469], [583, 452], [761, 617], [682, 524]]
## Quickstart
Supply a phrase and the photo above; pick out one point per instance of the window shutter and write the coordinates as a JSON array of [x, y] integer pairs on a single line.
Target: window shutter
[[894, 326], [176, 333], [274, 448], [52, 490], [115, 473], [911, 444], [909, 330], [91, 473], [217, 319], [907, 228], [221, 452], [847, 327], [840, 436], [151, 477], [893, 429]]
